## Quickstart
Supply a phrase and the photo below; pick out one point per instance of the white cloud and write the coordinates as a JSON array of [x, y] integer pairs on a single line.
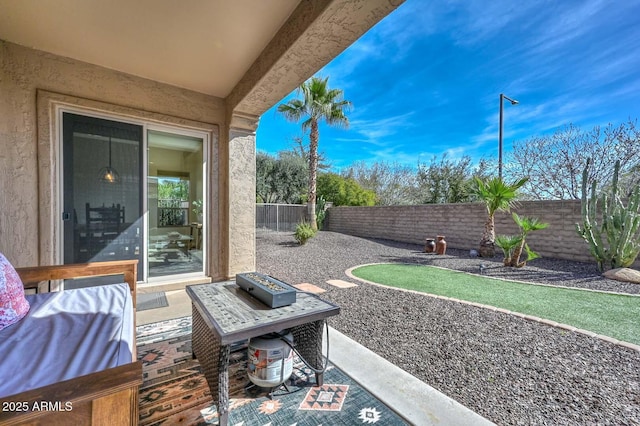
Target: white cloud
[[374, 130]]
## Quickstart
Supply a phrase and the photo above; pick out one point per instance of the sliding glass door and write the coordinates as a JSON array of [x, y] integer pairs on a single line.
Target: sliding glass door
[[106, 195], [102, 187], [175, 203]]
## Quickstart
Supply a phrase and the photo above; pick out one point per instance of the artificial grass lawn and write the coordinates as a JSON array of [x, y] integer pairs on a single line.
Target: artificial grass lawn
[[613, 315]]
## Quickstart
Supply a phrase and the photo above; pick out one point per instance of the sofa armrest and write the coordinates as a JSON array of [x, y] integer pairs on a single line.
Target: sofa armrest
[[128, 268], [105, 397]]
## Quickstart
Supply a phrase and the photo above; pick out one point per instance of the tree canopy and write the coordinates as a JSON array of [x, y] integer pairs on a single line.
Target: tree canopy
[[280, 179], [343, 191], [449, 181], [554, 163], [393, 183]]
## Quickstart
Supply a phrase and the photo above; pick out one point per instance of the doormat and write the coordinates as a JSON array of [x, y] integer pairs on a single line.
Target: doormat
[[175, 391], [145, 301]]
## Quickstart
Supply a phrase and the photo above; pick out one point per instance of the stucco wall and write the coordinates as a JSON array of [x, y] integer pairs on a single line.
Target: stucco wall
[[462, 225], [242, 192], [23, 73]]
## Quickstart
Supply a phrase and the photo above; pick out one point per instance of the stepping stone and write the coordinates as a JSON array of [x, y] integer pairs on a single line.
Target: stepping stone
[[310, 288], [341, 284]]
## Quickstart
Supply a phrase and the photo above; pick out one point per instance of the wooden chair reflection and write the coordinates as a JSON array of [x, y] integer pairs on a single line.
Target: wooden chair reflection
[[105, 219], [103, 226]]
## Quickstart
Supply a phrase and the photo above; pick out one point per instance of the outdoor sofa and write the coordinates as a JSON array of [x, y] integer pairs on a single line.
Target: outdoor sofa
[[72, 360]]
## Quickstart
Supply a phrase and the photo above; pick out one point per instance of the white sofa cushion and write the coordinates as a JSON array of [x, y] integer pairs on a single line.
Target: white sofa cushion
[[66, 335]]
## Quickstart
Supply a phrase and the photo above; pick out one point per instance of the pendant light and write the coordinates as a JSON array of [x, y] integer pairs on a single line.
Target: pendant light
[[109, 174]]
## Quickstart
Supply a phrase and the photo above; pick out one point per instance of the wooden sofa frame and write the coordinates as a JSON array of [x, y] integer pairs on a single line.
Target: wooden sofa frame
[[108, 397]]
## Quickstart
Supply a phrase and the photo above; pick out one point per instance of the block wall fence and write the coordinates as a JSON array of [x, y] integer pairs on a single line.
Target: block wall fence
[[462, 225]]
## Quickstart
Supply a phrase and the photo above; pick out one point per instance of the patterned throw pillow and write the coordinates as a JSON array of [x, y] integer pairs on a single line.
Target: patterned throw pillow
[[13, 305]]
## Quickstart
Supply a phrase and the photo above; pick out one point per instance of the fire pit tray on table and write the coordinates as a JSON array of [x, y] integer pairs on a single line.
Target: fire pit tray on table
[[270, 291]]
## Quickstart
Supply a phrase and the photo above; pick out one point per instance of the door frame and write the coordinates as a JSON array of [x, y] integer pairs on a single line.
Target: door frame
[[50, 107]]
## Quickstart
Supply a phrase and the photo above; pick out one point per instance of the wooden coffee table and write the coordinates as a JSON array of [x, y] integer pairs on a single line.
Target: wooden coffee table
[[223, 313]]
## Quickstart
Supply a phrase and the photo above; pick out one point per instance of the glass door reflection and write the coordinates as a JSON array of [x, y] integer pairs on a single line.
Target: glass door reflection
[[175, 204], [102, 187]]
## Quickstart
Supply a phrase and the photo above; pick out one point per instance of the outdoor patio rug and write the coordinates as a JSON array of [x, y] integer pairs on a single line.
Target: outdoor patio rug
[[175, 391], [145, 301]]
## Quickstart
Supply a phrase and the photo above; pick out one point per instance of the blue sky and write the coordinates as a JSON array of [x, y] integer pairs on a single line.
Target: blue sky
[[426, 80]]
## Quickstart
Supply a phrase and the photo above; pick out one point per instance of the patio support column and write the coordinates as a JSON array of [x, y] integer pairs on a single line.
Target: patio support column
[[241, 208]]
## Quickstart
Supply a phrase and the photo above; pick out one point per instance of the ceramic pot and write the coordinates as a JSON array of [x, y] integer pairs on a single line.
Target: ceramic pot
[[441, 245], [430, 245]]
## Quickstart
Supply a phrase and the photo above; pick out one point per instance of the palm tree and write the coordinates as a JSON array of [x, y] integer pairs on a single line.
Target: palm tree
[[508, 244], [497, 196], [526, 225], [318, 103]]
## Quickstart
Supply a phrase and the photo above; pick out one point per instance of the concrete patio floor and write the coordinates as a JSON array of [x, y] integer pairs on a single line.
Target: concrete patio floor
[[417, 402]]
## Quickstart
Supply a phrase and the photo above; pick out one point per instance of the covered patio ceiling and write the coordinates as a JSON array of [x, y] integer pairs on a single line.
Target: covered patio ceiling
[[250, 52], [205, 46]]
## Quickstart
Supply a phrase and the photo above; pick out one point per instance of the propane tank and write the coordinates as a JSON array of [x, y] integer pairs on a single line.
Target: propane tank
[[270, 360]]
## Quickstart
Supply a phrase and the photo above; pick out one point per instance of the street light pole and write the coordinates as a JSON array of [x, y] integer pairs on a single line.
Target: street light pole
[[513, 102]]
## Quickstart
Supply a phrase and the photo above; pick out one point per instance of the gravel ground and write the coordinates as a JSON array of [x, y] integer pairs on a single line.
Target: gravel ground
[[510, 370]]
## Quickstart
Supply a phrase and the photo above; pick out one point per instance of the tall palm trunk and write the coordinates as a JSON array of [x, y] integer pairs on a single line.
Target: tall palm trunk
[[487, 243], [313, 172]]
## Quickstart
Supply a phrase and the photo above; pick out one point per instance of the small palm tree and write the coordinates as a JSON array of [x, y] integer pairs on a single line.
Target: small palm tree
[[318, 103], [497, 196], [508, 244], [526, 225]]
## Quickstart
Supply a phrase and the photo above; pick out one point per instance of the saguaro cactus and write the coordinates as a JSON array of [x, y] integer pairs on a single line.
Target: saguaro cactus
[[611, 228]]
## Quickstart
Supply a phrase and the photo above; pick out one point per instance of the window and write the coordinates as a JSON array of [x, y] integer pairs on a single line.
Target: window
[[173, 201]]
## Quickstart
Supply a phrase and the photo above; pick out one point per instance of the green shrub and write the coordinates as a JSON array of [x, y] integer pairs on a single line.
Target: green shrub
[[304, 232]]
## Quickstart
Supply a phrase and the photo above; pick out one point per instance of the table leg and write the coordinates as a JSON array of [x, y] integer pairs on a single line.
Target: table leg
[[214, 359], [223, 385], [308, 341]]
